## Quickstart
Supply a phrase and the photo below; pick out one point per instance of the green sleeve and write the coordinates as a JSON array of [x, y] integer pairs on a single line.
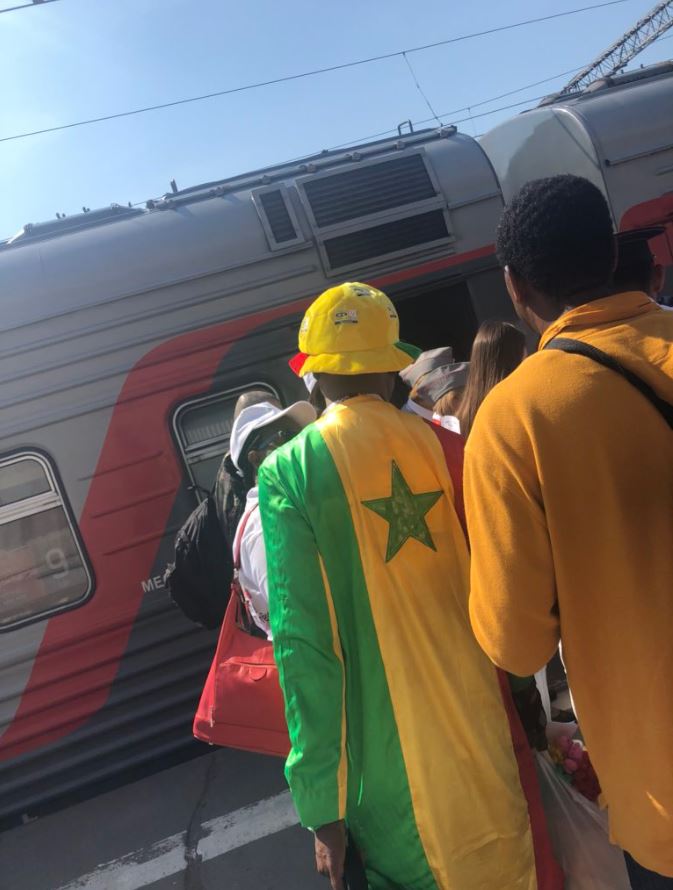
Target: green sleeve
[[307, 651]]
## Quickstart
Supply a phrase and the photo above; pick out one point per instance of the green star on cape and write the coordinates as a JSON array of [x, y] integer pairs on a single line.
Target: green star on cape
[[405, 513]]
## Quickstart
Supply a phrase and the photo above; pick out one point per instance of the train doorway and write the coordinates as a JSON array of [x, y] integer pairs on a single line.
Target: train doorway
[[440, 314]]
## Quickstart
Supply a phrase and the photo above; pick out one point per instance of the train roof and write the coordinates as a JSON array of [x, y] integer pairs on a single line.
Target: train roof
[[609, 84], [335, 214], [615, 133], [323, 160]]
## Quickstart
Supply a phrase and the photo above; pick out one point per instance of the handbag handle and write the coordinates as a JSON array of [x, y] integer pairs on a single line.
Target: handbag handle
[[243, 618], [238, 537]]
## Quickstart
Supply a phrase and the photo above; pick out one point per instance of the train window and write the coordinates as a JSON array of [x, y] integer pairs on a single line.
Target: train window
[[42, 570], [202, 427]]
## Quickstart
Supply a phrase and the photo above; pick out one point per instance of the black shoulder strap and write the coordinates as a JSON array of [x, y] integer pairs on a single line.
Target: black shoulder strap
[[578, 347]]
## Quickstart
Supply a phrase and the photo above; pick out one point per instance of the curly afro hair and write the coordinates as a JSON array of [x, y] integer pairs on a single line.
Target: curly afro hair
[[557, 234]]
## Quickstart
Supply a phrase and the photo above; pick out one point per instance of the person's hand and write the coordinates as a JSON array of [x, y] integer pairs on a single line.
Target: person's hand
[[330, 852]]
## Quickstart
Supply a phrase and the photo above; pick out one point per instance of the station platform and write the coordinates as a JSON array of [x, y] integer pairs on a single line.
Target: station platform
[[223, 820]]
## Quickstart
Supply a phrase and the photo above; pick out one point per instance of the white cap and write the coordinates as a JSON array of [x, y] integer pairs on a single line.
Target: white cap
[[255, 417]]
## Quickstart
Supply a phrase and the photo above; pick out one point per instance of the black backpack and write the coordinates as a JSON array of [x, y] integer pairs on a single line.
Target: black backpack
[[199, 580]]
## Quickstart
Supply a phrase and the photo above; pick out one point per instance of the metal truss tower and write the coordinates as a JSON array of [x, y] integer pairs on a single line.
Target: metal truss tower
[[642, 34]]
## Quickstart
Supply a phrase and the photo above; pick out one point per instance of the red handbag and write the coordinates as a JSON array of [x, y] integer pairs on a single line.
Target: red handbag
[[241, 704]]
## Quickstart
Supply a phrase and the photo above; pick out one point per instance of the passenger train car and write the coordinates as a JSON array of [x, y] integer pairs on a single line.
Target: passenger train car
[[126, 335]]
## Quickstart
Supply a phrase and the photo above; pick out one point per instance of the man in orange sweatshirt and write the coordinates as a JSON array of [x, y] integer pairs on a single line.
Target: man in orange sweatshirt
[[569, 498]]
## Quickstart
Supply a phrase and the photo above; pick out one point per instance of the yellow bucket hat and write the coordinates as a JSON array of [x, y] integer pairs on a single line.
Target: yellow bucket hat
[[351, 329]]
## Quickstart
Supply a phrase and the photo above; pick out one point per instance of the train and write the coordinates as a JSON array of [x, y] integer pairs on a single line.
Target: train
[[126, 336]]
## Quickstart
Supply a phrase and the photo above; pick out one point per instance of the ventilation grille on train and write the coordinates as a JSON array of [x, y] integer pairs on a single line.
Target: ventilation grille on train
[[369, 189], [387, 238], [277, 217]]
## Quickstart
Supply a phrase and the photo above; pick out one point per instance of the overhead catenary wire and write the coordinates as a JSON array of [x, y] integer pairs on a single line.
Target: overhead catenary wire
[[479, 104], [461, 120], [290, 77], [448, 114], [427, 120], [420, 89], [393, 132], [25, 5], [390, 132]]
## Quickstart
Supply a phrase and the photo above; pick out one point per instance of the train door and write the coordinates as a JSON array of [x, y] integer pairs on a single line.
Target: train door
[[448, 312], [439, 315]]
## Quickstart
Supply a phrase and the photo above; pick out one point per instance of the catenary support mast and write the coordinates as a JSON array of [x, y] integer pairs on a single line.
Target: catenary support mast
[[642, 34]]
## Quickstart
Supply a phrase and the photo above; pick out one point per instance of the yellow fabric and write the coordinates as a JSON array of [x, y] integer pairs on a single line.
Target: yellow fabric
[[342, 771], [470, 811], [569, 498], [351, 329], [379, 361]]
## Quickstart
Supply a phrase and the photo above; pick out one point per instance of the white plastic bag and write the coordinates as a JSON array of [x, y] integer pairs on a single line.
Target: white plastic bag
[[543, 689], [578, 830]]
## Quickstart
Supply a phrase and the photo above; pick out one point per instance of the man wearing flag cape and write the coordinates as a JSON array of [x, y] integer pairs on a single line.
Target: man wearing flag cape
[[402, 731]]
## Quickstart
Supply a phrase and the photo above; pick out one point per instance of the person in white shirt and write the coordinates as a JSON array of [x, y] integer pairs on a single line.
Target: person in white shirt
[[432, 377], [257, 431]]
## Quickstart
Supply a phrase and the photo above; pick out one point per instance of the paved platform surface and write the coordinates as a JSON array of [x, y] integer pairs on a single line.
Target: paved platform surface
[[224, 821]]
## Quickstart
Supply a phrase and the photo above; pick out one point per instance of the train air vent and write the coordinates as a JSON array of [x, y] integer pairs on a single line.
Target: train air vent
[[277, 217], [385, 239], [368, 189]]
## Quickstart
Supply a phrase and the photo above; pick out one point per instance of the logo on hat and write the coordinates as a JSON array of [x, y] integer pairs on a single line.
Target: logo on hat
[[346, 316]]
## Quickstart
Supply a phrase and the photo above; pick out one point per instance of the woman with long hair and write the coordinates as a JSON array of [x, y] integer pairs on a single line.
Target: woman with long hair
[[498, 349]]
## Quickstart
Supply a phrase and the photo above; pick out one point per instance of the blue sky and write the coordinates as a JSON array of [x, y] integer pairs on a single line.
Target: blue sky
[[76, 59]]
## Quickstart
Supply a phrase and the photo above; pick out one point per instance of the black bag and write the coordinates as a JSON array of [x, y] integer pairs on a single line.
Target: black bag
[[199, 581], [579, 347]]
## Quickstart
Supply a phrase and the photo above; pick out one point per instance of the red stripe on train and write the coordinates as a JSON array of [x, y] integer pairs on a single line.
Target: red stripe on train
[[433, 266], [81, 650]]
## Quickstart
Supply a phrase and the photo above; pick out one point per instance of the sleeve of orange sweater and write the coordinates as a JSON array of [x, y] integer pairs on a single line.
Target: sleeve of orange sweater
[[512, 591]]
